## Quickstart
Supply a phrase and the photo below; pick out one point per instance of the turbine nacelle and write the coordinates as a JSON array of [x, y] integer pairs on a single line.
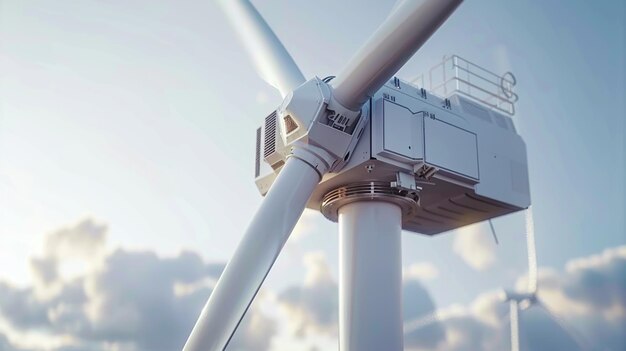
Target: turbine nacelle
[[468, 161], [519, 297]]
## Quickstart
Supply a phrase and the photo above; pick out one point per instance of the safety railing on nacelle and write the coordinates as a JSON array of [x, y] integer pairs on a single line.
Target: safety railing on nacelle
[[455, 75]]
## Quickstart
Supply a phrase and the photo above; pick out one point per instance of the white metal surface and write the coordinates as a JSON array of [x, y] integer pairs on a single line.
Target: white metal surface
[[408, 26], [370, 277], [311, 116], [273, 62], [470, 161], [253, 258]]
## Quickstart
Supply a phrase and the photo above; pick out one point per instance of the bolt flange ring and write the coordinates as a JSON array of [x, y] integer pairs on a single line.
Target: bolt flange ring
[[368, 191]]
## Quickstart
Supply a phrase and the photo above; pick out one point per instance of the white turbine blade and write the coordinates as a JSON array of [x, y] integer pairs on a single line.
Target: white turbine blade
[[514, 314], [576, 336], [409, 25], [532, 252], [253, 258], [272, 61]]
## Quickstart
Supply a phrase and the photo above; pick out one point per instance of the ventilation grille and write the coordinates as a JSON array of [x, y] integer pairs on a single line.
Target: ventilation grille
[[270, 134], [257, 160]]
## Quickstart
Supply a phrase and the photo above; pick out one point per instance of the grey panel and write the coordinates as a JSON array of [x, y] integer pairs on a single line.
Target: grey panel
[[402, 133], [500, 120], [519, 177], [450, 147]]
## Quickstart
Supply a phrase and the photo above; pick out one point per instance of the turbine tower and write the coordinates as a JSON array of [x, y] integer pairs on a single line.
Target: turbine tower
[[355, 147]]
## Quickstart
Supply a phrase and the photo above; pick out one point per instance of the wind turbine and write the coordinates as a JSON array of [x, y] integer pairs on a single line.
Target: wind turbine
[[518, 301], [355, 147], [526, 300]]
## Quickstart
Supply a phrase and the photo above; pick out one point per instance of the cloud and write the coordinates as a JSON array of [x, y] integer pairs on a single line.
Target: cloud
[[68, 253], [417, 305], [584, 305], [127, 300], [591, 296], [255, 334], [137, 300], [421, 270], [474, 247], [6, 345], [85, 239], [305, 226], [312, 308]]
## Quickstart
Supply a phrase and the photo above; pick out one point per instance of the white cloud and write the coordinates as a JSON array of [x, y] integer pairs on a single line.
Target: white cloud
[[305, 226], [68, 253], [421, 271], [137, 301], [85, 239], [318, 271], [586, 303], [312, 307], [130, 300], [475, 247]]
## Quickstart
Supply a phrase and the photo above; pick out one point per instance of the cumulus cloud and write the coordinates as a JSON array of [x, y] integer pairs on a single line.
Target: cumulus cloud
[[6, 345], [591, 296], [127, 300], [137, 300], [84, 239], [417, 305], [68, 253], [255, 334], [582, 304], [306, 225], [312, 307], [421, 270], [581, 307], [474, 247]]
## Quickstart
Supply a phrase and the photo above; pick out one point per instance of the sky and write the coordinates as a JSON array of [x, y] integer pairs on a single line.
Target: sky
[[126, 175]]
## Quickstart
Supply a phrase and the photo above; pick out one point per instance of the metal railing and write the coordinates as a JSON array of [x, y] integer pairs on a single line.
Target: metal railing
[[455, 75]]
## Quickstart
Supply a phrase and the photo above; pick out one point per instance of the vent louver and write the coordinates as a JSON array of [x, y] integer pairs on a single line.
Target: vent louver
[[270, 135]]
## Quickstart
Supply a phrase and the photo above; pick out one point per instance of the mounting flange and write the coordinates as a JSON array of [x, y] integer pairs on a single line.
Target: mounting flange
[[368, 191]]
